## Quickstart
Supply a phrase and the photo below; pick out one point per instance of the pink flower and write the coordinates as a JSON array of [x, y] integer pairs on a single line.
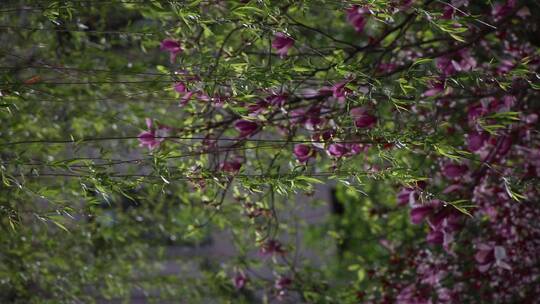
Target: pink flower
[[500, 10], [437, 87], [451, 8], [303, 152], [245, 127], [489, 255], [407, 196], [186, 98], [320, 138], [240, 280], [474, 112], [448, 12], [282, 43], [277, 100], [152, 138], [231, 166], [311, 118], [476, 140], [272, 247], [386, 67], [435, 237], [180, 87], [453, 171], [459, 61], [283, 283], [420, 212], [340, 92], [506, 66], [337, 150], [356, 16], [362, 119], [257, 108], [345, 150], [172, 46]]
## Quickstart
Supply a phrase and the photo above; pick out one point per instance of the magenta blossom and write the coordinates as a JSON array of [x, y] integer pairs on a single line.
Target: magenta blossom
[[436, 88], [320, 138], [344, 150], [451, 8], [231, 166], [240, 280], [420, 211], [272, 247], [488, 255], [362, 119], [407, 196], [172, 46], [311, 118], [277, 100], [186, 95], [180, 87], [303, 152], [500, 10], [283, 283], [386, 67], [340, 92], [460, 61], [476, 140], [153, 138], [282, 43], [186, 98], [257, 108], [357, 17], [245, 127], [475, 111], [454, 171]]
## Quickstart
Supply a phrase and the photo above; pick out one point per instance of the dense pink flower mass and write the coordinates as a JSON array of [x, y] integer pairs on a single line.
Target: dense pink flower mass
[[282, 43], [451, 105], [357, 16], [153, 137], [173, 47]]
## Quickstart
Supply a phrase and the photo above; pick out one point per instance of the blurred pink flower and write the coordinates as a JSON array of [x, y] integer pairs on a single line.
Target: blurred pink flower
[[357, 17], [245, 127], [240, 280], [172, 46], [282, 43], [303, 152], [152, 138], [362, 119]]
